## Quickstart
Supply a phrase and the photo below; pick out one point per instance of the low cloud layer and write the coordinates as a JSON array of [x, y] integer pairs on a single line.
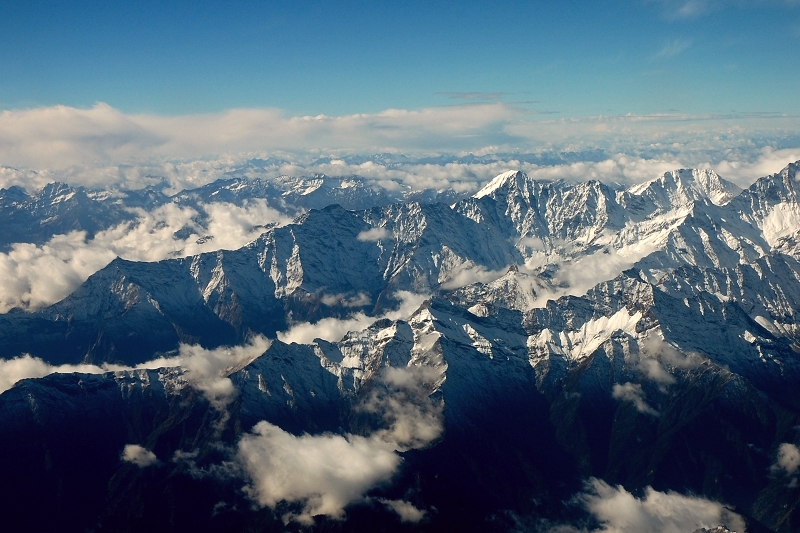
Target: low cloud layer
[[325, 473], [101, 146], [619, 511], [25, 366], [36, 276], [333, 329], [205, 369]]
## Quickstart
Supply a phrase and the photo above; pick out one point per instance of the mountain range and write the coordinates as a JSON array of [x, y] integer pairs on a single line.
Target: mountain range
[[494, 362]]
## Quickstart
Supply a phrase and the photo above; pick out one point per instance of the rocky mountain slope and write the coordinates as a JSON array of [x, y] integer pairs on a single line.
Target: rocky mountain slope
[[645, 337], [59, 208]]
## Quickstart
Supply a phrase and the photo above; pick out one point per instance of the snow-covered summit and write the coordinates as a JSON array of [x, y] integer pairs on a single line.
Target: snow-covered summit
[[678, 188], [506, 179]]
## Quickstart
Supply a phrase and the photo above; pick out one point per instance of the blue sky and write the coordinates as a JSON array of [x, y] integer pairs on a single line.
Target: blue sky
[[559, 59]]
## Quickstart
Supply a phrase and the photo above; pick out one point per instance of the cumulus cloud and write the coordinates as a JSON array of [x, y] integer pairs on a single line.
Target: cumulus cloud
[[374, 234], [788, 459], [35, 276], [633, 393], [325, 473], [762, 162], [332, 329], [655, 346], [619, 511], [653, 371], [532, 244], [141, 457]]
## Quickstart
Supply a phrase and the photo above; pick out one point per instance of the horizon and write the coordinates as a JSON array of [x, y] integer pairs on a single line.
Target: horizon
[[92, 95]]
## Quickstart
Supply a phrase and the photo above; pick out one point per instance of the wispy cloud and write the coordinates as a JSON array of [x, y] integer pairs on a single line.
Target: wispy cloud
[[473, 95], [633, 393], [673, 48], [693, 9]]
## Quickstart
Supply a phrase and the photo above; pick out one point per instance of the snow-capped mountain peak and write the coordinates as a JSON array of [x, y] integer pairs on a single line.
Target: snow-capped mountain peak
[[506, 179]]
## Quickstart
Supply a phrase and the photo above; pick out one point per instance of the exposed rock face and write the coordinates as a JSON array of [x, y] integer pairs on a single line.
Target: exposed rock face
[[647, 337]]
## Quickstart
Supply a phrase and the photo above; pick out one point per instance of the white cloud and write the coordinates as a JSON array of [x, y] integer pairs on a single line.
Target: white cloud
[[325, 473], [61, 137], [330, 329], [534, 244], [205, 369], [102, 146], [400, 397], [359, 300], [619, 511], [765, 161], [688, 9], [655, 354], [788, 459], [36, 276], [374, 234], [25, 366], [653, 370], [692, 9], [468, 274], [633, 393], [406, 511], [141, 457], [333, 329], [576, 277]]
